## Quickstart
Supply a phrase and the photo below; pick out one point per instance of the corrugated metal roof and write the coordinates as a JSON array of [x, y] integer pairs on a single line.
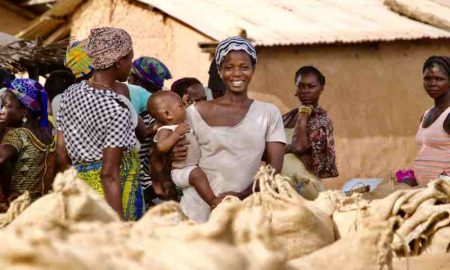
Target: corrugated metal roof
[[434, 12], [292, 22]]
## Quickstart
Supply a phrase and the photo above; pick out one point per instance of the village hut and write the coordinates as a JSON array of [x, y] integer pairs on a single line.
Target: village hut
[[371, 56]]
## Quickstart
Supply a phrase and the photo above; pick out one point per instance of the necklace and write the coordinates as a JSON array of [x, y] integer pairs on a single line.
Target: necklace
[[100, 84]]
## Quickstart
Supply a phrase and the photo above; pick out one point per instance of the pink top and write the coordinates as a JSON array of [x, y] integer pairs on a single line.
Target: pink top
[[434, 150]]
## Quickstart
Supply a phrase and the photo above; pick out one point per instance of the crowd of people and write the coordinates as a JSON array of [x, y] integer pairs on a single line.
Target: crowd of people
[[137, 143]]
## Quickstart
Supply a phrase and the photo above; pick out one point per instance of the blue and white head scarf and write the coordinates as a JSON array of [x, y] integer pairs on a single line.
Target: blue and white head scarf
[[234, 44], [32, 95]]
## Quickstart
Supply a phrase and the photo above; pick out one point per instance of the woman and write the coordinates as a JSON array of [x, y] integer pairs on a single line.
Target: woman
[[95, 125], [312, 140], [28, 147], [234, 132], [433, 136], [149, 73]]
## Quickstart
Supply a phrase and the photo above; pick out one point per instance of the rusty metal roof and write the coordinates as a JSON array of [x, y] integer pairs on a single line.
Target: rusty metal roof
[[292, 22]]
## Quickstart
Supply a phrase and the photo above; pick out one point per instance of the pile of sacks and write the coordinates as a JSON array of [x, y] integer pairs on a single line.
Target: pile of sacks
[[275, 228]]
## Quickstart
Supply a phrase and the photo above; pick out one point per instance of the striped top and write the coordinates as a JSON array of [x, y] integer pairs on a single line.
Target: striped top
[[434, 150], [144, 154]]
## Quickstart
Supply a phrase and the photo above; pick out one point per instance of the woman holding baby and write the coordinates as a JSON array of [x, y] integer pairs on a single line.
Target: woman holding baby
[[234, 133]]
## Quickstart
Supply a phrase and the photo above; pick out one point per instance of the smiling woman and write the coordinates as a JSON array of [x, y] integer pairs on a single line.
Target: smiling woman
[[234, 132], [433, 136]]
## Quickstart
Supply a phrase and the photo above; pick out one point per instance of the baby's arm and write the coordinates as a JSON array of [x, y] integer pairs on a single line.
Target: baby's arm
[[166, 138]]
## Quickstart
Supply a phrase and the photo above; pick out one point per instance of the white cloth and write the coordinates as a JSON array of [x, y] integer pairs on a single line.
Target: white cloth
[[55, 104], [231, 156], [193, 153], [180, 177]]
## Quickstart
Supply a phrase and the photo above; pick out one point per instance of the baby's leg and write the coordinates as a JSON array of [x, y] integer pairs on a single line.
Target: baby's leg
[[199, 180]]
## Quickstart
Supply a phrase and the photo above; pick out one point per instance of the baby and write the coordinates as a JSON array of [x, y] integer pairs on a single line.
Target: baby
[[166, 107]]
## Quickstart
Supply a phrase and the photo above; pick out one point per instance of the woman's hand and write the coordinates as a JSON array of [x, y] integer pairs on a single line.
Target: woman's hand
[[179, 151]]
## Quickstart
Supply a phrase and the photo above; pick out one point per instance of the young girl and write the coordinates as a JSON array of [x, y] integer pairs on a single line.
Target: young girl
[[167, 108]]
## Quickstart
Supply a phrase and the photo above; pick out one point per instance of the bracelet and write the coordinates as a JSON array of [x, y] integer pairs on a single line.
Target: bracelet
[[305, 109]]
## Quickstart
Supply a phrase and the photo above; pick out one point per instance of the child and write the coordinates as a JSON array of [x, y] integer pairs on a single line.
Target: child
[[166, 107], [190, 90]]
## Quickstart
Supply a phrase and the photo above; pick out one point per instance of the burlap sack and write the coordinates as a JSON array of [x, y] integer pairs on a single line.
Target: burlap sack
[[305, 183], [345, 211], [439, 242], [71, 201], [367, 249], [384, 189], [230, 224], [423, 262], [421, 211], [15, 208], [46, 247], [298, 226], [162, 215]]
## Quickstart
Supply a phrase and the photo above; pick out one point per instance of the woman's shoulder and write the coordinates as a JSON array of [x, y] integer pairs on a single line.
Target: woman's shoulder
[[266, 107]]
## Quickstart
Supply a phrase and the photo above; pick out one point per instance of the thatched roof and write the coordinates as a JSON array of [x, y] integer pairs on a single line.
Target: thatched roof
[[19, 55]]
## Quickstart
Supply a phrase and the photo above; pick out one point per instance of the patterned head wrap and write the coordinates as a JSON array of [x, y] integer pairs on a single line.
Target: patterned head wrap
[[442, 61], [32, 95], [77, 59], [106, 45], [234, 44], [151, 70]]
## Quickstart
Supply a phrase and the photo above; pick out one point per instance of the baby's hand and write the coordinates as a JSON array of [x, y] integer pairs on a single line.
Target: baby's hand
[[182, 129]]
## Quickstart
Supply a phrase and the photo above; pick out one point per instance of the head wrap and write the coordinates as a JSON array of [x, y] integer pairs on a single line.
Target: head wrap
[[106, 45], [442, 61], [77, 59], [32, 95], [234, 44], [151, 70]]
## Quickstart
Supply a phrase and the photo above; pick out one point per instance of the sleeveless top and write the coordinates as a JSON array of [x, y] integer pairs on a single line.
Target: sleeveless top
[[193, 152], [231, 156], [434, 150]]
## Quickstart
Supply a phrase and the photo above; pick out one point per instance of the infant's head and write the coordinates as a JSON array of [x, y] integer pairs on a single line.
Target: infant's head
[[166, 107]]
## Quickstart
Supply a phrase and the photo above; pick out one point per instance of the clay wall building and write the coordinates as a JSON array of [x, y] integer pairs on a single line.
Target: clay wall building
[[371, 56]]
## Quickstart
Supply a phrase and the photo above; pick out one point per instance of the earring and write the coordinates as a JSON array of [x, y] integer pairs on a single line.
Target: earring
[[24, 120]]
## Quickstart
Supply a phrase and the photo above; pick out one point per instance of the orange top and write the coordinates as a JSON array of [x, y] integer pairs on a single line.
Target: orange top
[[434, 150]]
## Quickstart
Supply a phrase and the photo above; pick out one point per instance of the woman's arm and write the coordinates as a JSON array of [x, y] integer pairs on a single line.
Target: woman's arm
[[110, 177], [447, 124], [300, 144], [62, 157], [274, 154], [7, 152]]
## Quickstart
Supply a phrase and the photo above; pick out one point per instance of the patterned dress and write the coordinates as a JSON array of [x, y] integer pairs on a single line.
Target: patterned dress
[[320, 135], [34, 169], [94, 119]]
